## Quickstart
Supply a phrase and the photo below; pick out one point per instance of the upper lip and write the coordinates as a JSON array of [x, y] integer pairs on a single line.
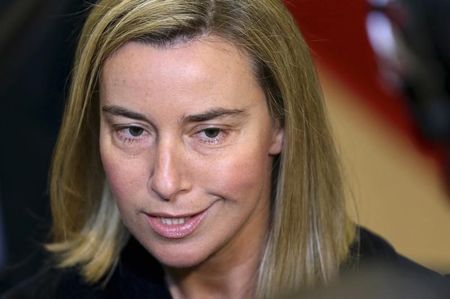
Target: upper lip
[[170, 215], [178, 215]]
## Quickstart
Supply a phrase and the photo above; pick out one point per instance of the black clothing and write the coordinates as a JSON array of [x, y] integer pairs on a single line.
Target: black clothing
[[139, 275]]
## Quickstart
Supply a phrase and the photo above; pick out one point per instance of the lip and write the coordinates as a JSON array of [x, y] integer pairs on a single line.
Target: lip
[[176, 231]]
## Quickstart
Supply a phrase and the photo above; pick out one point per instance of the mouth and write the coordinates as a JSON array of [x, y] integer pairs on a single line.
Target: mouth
[[176, 227], [174, 220]]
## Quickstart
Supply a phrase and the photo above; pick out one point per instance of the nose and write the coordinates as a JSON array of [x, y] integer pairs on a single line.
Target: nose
[[167, 178]]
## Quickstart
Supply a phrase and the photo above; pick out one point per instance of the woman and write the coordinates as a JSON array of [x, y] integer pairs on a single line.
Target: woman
[[194, 159]]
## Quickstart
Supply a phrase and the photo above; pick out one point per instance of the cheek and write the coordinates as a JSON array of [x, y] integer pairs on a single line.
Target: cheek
[[242, 175], [126, 177]]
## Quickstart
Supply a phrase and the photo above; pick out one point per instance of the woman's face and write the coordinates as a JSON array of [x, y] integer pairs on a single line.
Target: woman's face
[[187, 145]]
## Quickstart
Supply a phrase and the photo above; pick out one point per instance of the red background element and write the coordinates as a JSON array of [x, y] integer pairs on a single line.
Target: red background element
[[336, 34]]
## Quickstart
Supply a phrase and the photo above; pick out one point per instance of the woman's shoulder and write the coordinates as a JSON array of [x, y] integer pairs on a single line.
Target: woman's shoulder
[[53, 282], [374, 269], [370, 248], [136, 275]]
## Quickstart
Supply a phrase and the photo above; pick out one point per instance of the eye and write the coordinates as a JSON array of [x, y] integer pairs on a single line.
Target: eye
[[212, 132], [131, 134], [135, 131], [212, 136]]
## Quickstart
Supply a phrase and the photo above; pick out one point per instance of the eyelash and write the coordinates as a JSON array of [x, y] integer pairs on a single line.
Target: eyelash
[[123, 133], [212, 140]]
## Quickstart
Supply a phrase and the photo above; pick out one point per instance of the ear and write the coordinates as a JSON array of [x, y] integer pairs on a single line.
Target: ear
[[277, 140]]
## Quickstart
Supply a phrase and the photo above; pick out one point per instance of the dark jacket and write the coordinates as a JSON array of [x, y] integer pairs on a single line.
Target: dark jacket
[[139, 275]]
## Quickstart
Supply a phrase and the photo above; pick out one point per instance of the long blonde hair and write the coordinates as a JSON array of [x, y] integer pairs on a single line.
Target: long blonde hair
[[309, 233]]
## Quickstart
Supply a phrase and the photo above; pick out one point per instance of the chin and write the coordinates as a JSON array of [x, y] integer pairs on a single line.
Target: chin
[[176, 255], [178, 262]]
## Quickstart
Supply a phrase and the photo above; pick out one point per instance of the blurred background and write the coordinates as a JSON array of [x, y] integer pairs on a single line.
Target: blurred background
[[37, 42], [385, 72], [384, 68]]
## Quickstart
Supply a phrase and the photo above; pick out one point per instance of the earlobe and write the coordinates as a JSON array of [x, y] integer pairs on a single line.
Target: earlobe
[[277, 141]]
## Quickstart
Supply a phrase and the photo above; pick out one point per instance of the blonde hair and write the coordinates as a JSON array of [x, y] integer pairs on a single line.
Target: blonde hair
[[310, 233]]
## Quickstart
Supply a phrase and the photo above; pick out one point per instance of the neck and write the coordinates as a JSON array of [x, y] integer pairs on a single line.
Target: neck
[[237, 281], [230, 274]]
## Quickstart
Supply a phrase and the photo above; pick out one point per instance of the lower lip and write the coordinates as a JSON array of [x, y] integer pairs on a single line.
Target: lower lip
[[176, 231]]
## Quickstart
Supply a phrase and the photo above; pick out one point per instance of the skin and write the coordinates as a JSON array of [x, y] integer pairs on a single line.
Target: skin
[[184, 129]]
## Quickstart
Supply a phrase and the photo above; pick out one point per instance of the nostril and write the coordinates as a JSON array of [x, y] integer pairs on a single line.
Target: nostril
[[167, 185], [165, 181], [163, 186], [160, 196]]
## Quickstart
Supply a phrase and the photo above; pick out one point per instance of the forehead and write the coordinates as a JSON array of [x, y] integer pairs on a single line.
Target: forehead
[[201, 71]]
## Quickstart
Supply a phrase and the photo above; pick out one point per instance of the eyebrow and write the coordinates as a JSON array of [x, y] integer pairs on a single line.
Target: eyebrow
[[204, 116], [212, 114], [121, 111]]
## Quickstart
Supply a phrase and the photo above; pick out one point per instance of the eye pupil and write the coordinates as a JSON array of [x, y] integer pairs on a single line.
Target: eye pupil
[[135, 131], [212, 133]]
